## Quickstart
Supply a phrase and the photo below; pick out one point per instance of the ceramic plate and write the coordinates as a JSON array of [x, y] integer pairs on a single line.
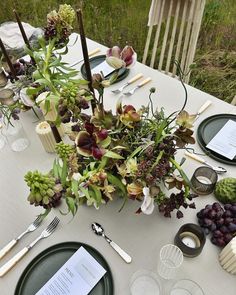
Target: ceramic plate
[[47, 263], [95, 61], [207, 129]]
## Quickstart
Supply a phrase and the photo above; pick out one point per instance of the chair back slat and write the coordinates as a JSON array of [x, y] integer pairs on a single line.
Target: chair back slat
[[173, 31], [165, 36], [167, 69], [154, 50], [180, 37], [187, 34]]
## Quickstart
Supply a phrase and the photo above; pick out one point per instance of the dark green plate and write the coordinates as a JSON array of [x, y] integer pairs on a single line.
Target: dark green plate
[[47, 263], [208, 129], [95, 61]]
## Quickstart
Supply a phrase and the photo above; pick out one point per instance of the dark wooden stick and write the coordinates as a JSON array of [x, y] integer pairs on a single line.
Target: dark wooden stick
[[56, 133], [12, 69], [23, 33], [85, 54]]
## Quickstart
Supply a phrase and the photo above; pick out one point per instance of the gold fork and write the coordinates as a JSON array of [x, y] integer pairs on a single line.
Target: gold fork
[[13, 261]]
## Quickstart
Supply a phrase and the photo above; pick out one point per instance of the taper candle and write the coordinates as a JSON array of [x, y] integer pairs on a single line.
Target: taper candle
[[85, 54], [23, 33], [8, 60]]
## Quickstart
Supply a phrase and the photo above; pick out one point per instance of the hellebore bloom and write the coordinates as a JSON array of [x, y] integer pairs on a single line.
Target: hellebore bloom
[[90, 142], [134, 189], [147, 206], [185, 120], [118, 58]]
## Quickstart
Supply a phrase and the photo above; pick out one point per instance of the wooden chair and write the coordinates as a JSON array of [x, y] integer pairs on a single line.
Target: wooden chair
[[233, 102], [177, 24]]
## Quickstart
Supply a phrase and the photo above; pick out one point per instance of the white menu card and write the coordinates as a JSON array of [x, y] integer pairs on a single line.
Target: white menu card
[[78, 276], [103, 67], [224, 142]]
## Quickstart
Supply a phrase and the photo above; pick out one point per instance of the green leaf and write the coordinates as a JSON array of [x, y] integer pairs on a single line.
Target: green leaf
[[110, 154], [55, 169], [75, 187], [106, 142], [85, 191], [97, 194], [64, 172], [119, 147], [117, 183], [32, 90], [135, 152], [71, 203]]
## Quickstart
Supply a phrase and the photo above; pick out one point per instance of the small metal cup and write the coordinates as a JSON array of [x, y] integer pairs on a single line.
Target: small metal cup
[[204, 180]]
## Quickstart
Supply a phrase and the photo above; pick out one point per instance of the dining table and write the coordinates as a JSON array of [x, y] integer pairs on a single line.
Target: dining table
[[142, 236]]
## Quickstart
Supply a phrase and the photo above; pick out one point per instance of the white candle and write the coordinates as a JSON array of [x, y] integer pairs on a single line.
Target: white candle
[[51, 114], [190, 242], [204, 180], [46, 136]]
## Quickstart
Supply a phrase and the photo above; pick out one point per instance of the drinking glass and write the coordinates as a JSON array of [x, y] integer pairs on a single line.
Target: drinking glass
[[16, 136], [186, 287], [170, 260], [145, 282]]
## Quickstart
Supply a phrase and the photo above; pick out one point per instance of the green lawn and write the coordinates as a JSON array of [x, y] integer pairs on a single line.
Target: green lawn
[[121, 22]]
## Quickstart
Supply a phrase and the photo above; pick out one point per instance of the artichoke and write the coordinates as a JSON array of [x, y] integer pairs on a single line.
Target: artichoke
[[225, 190]]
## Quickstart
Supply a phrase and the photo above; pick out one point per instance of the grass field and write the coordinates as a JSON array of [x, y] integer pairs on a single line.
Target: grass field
[[121, 22]]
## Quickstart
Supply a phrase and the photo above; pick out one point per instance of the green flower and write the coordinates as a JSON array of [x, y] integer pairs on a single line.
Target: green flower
[[66, 14]]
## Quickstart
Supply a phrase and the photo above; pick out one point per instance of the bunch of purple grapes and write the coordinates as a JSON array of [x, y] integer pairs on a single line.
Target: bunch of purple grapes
[[220, 221]]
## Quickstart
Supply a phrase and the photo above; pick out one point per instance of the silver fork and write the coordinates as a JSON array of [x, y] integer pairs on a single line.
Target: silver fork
[[135, 78], [144, 82], [12, 243], [13, 261]]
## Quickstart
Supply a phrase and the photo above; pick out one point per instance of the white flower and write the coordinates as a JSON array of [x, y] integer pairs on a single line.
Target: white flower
[[147, 206]]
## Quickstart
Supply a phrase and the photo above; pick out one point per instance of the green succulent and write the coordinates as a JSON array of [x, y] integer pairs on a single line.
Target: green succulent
[[225, 190], [64, 150], [42, 188]]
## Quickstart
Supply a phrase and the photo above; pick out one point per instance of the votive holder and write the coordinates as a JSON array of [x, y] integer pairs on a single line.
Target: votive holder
[[190, 239], [170, 260], [16, 136], [204, 180], [187, 287], [145, 282]]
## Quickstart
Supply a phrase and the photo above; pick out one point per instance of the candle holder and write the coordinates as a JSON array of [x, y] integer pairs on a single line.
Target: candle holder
[[204, 180], [190, 239]]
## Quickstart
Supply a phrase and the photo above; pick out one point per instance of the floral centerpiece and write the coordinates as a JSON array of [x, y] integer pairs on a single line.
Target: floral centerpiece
[[128, 155]]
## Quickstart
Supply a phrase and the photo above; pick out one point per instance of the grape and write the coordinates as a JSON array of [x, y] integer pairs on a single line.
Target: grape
[[207, 222], [228, 237], [232, 227], [212, 214], [227, 213], [220, 242], [227, 206], [217, 234], [220, 221], [228, 220], [213, 227]]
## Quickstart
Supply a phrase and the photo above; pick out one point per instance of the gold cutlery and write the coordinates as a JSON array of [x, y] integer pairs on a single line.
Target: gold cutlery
[[135, 78], [12, 243], [144, 82], [13, 261]]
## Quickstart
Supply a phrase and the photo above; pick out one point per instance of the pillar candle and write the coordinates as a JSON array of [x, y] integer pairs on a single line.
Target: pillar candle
[[46, 136]]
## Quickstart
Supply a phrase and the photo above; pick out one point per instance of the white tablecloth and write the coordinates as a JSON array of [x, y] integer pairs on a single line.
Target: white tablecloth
[[141, 236]]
